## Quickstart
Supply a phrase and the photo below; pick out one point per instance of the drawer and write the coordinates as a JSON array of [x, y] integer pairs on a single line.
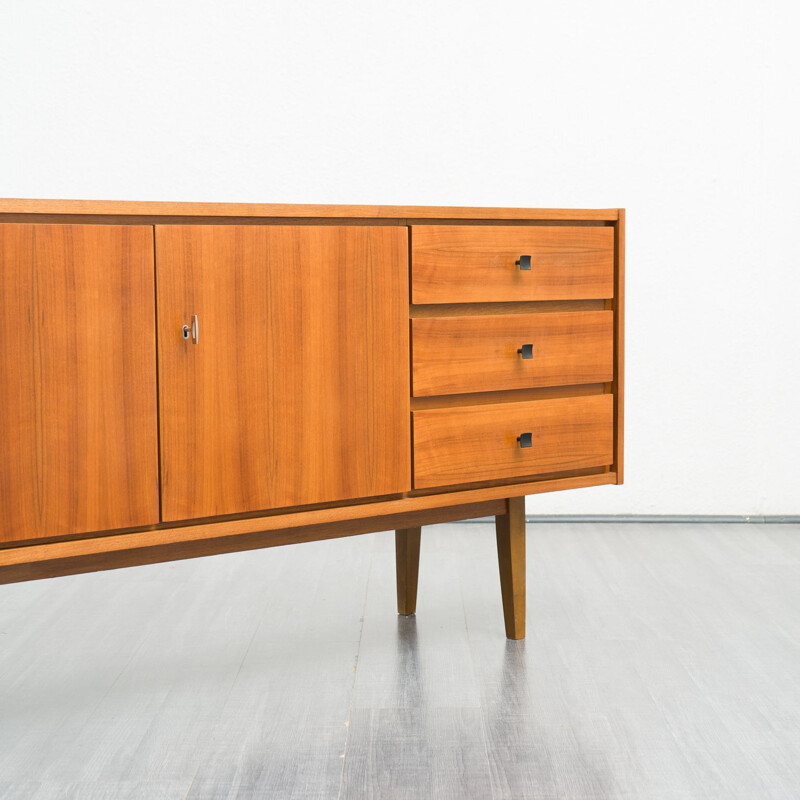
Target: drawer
[[451, 355], [472, 263], [479, 443]]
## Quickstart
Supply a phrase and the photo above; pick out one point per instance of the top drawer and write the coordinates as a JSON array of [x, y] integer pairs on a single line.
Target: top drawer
[[473, 264]]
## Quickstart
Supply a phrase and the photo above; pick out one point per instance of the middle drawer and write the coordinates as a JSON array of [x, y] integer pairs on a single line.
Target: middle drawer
[[454, 355]]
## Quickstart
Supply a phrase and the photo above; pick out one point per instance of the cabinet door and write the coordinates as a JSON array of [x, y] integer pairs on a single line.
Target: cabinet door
[[78, 435], [297, 389]]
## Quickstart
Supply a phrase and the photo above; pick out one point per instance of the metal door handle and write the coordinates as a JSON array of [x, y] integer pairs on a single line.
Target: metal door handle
[[525, 440], [194, 330], [523, 262], [526, 351]]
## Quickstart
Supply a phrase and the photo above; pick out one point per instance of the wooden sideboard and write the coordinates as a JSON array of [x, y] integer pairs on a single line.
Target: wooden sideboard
[[185, 379]]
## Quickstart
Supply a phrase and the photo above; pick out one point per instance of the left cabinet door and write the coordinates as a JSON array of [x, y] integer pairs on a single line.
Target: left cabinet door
[[78, 428]]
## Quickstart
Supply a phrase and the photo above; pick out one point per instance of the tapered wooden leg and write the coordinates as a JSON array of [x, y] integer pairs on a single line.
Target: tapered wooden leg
[[406, 545], [511, 555]]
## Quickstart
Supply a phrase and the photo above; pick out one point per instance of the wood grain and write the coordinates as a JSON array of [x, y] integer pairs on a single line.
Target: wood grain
[[78, 431], [471, 264], [475, 443], [155, 209], [510, 531], [298, 390], [406, 543], [452, 355]]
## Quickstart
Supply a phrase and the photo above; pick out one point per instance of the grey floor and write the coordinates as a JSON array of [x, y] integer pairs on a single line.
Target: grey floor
[[662, 661]]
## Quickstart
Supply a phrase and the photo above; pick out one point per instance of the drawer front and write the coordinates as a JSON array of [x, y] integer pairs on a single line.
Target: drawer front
[[471, 263], [451, 355], [479, 443]]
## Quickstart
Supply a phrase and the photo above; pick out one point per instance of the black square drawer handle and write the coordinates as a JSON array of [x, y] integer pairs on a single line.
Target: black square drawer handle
[[525, 440], [526, 351], [524, 262]]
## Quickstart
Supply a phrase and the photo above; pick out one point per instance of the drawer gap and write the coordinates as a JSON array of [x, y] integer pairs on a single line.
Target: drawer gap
[[508, 396], [420, 311]]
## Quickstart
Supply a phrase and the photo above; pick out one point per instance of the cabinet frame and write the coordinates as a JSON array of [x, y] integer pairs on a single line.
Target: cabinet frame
[[50, 556]]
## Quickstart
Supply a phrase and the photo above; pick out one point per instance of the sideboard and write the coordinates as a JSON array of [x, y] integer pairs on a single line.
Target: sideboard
[[186, 379]]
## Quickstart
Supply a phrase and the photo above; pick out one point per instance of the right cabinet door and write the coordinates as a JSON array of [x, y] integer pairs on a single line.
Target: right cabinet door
[[283, 366]]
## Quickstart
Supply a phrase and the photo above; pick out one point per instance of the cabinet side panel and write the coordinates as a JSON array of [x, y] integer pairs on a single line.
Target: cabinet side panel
[[619, 343], [78, 435]]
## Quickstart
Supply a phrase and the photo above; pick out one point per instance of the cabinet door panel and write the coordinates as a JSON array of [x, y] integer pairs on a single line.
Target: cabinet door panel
[[297, 391], [78, 435]]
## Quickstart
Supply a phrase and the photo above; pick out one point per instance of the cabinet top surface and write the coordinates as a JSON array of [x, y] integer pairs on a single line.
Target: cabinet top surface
[[280, 210]]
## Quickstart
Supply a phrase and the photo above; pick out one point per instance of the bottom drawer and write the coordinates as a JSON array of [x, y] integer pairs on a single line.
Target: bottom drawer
[[480, 443]]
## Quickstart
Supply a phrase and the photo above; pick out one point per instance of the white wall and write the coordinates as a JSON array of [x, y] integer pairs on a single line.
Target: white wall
[[684, 112]]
